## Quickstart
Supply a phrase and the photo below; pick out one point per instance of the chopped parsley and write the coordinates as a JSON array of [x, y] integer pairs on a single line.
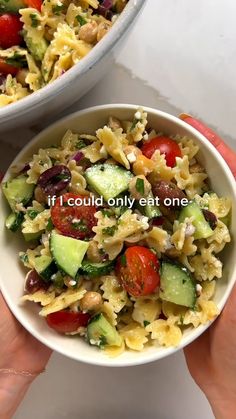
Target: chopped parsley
[[80, 144], [82, 21], [24, 258], [17, 60], [140, 186], [58, 9], [32, 214], [34, 20], [146, 323], [106, 212], [102, 341], [109, 231], [135, 121], [49, 226], [123, 260], [80, 225]]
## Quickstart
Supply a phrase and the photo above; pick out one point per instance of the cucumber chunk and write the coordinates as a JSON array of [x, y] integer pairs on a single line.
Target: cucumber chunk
[[108, 180], [14, 221], [202, 227], [12, 6], [67, 252], [18, 191], [45, 267], [96, 269], [177, 285], [152, 211], [101, 333], [36, 43], [29, 237]]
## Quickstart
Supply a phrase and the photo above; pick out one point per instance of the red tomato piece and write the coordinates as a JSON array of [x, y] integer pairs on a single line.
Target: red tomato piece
[[138, 271], [166, 146], [10, 27], [35, 4], [67, 322], [74, 221], [7, 69]]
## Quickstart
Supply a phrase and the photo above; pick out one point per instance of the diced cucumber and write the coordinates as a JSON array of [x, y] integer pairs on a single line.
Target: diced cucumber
[[29, 237], [12, 6], [202, 227], [108, 180], [14, 221], [152, 211], [101, 333], [227, 219], [36, 43], [45, 267], [18, 191], [177, 285], [96, 269], [67, 252]]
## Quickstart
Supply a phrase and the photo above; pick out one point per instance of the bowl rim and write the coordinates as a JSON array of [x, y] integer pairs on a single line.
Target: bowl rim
[[28, 103], [144, 357]]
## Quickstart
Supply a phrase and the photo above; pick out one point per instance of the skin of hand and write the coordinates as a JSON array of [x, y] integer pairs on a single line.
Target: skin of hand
[[211, 359], [22, 352]]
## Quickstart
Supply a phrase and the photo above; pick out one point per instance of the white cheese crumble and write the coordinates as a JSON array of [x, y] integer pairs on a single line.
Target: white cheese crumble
[[131, 157], [138, 115], [103, 151], [145, 222], [72, 282], [145, 136], [199, 289], [190, 230]]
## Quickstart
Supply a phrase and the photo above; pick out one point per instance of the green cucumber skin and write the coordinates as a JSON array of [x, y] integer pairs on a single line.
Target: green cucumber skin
[[69, 249], [45, 269], [14, 220], [177, 285], [108, 180], [29, 237], [12, 6], [101, 331], [96, 269], [202, 227], [18, 191]]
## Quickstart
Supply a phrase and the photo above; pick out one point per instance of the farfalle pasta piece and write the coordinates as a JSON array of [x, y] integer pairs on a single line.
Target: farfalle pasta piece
[[43, 297], [165, 333], [182, 237], [161, 171], [37, 224], [134, 336], [219, 238], [146, 310], [114, 293], [94, 152], [143, 166], [40, 163], [173, 312], [78, 183], [113, 142], [219, 206], [114, 351], [158, 239], [206, 266], [70, 141], [13, 91], [138, 127], [64, 300], [187, 146], [111, 233], [192, 183], [108, 310]]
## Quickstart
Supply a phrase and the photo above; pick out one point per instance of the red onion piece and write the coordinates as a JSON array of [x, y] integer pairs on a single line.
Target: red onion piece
[[55, 179], [157, 221], [77, 156], [104, 9]]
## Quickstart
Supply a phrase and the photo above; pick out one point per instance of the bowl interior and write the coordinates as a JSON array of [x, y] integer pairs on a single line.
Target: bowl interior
[[12, 274]]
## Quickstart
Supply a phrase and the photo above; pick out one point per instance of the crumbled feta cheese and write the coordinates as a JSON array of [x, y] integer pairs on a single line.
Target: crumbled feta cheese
[[72, 282], [199, 289], [53, 277], [138, 115], [145, 136], [190, 230], [145, 222], [94, 342], [76, 220], [131, 157], [168, 245]]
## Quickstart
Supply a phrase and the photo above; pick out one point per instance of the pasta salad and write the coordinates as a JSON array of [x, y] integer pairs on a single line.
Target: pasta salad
[[41, 40], [124, 235]]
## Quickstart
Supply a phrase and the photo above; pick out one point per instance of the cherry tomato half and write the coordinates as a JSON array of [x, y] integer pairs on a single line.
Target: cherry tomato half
[[74, 221], [67, 322], [166, 146], [138, 271], [10, 27], [7, 69], [35, 4]]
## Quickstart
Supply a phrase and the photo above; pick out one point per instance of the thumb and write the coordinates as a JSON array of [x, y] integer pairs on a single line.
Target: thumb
[[226, 152]]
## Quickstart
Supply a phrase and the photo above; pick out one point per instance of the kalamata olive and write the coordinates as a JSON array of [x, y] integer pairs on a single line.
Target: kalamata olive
[[25, 168], [104, 9], [34, 283], [210, 218], [169, 194], [157, 221], [55, 179]]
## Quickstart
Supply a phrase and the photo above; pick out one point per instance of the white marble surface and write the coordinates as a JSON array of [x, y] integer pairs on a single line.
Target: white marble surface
[[180, 56]]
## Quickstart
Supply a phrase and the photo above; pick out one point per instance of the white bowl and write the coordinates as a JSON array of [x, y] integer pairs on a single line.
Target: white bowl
[[12, 274], [69, 88]]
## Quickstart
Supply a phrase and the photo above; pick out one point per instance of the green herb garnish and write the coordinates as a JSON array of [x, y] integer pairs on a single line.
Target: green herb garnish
[[58, 9], [49, 226], [81, 20], [32, 214], [80, 144], [34, 20], [123, 260], [140, 186], [146, 323], [109, 231], [17, 60]]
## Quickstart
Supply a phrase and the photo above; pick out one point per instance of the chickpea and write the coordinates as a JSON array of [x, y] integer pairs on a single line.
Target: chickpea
[[136, 194], [88, 32], [21, 76], [91, 301], [40, 195], [103, 28], [93, 252], [196, 168]]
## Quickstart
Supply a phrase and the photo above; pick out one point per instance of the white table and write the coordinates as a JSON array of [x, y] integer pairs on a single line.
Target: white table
[[181, 56]]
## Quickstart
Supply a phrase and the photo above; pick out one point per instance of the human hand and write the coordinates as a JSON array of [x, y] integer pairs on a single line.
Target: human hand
[[19, 351], [211, 359]]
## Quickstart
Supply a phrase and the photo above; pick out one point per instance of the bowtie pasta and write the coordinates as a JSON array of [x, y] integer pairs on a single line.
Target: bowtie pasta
[[47, 39], [124, 235]]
